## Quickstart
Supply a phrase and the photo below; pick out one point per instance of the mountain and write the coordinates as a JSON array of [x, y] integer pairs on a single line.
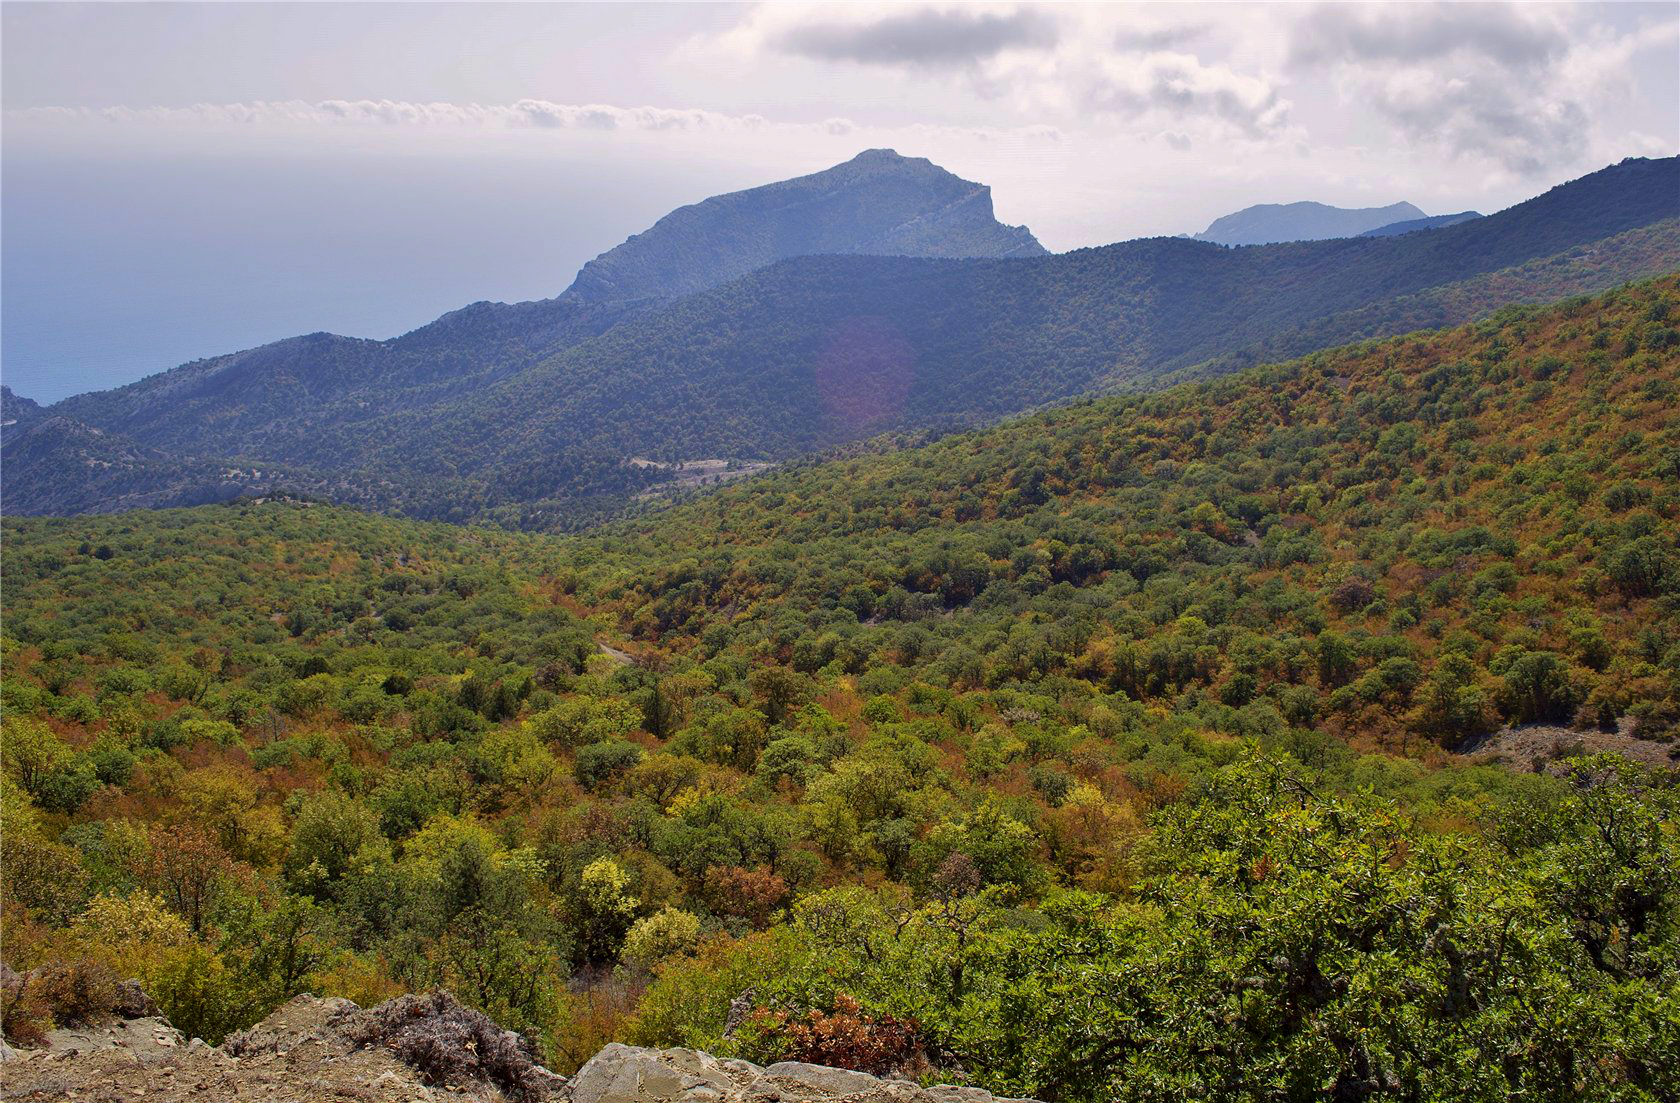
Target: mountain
[[15, 409], [1412, 225], [878, 203], [92, 470], [814, 352], [1268, 223], [17, 413], [1134, 718]]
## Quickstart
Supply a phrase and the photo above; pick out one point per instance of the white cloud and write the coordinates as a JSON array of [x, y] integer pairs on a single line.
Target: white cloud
[[1078, 64], [1529, 89], [1505, 90], [929, 36], [538, 114]]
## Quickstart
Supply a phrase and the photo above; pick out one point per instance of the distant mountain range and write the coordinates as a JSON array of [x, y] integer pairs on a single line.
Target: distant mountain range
[[530, 414], [1269, 223]]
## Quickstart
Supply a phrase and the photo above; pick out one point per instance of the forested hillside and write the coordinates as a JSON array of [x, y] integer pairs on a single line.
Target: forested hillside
[[1101, 755], [814, 352]]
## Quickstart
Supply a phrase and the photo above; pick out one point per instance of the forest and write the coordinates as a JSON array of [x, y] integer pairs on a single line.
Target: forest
[[1148, 748]]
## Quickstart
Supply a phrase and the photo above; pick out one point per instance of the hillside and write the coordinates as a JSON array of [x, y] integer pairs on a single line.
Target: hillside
[[877, 203], [1270, 223], [1413, 225], [15, 410], [1094, 719], [1447, 482], [819, 351], [254, 407]]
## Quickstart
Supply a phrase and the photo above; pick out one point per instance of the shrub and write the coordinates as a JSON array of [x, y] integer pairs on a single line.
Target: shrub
[[602, 762], [75, 993], [665, 933], [24, 1017], [1538, 687], [846, 1037], [448, 1044]]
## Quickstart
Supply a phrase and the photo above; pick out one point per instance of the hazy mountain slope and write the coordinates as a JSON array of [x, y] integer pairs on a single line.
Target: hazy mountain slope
[[1267, 223], [60, 466], [235, 404], [877, 203], [16, 412], [1431, 222], [1586, 269], [816, 351], [257, 401]]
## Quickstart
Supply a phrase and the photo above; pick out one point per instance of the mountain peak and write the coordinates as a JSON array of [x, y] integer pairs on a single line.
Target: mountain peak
[[878, 203]]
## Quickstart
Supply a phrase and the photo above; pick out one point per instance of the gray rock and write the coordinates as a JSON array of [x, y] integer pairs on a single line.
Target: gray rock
[[146, 1038], [953, 1093], [627, 1074], [821, 1081]]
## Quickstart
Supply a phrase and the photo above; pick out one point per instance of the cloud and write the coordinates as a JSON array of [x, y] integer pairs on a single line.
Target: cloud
[[1476, 115], [1080, 64], [1512, 37], [526, 115], [521, 114], [1182, 86], [1514, 85], [1158, 38], [931, 37]]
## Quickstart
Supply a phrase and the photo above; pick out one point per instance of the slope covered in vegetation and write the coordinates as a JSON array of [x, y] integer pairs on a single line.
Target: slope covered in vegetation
[[1098, 754], [821, 350]]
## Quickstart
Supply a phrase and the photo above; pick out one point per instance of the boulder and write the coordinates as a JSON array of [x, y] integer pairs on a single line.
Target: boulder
[[629, 1074], [132, 1002], [821, 1081]]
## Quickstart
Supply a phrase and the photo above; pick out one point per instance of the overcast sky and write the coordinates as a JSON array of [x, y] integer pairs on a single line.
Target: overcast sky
[[185, 180]]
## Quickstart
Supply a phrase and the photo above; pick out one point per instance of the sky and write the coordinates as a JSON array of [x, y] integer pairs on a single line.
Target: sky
[[183, 180]]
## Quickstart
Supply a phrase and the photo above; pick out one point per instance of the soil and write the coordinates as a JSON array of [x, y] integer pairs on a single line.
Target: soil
[[1536, 747]]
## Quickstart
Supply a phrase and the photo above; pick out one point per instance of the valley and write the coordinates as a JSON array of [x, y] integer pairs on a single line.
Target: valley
[[923, 741], [993, 553]]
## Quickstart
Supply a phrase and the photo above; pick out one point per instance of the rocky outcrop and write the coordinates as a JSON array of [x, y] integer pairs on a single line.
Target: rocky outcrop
[[627, 1074], [414, 1049], [419, 1049]]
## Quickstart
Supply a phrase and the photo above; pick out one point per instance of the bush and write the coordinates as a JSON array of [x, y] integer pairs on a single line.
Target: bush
[[75, 993], [1538, 687], [24, 1017], [602, 762], [665, 933], [448, 1044], [846, 1037], [1639, 568]]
